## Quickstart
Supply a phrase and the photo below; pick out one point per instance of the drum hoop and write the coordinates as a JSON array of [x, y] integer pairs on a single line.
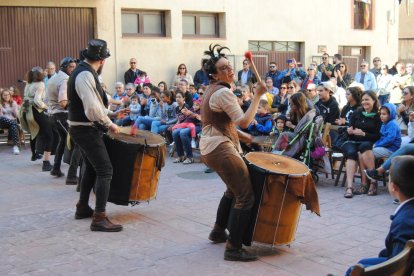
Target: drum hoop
[[273, 172], [129, 143]]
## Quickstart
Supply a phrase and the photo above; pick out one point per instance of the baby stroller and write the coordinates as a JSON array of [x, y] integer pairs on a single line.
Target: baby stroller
[[305, 143]]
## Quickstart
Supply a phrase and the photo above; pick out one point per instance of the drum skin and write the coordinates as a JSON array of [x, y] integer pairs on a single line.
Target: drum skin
[[276, 211], [136, 162]]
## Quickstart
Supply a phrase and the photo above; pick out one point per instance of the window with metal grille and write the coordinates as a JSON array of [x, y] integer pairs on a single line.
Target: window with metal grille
[[143, 23], [277, 46]]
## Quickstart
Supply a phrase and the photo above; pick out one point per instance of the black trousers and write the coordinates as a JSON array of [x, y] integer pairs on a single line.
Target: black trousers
[[59, 125], [98, 167], [45, 137]]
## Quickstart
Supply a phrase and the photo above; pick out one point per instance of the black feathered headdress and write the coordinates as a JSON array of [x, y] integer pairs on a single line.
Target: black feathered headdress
[[214, 53]]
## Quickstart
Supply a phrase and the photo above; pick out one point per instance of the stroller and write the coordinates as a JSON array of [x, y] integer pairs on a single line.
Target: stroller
[[305, 143]]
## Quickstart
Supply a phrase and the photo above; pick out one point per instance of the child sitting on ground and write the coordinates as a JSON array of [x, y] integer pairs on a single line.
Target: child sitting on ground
[[262, 123], [189, 119], [402, 225]]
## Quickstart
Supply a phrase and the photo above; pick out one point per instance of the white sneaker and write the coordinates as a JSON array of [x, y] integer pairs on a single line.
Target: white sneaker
[[193, 144], [16, 150]]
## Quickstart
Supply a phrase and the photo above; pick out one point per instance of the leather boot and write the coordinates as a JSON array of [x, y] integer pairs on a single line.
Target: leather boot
[[83, 211], [238, 222], [46, 166], [101, 223], [218, 234]]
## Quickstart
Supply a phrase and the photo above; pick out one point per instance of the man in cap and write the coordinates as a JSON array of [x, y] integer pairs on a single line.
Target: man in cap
[[56, 94], [327, 104], [88, 119]]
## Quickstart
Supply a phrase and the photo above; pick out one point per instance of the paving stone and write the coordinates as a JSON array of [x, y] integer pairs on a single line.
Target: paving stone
[[168, 236]]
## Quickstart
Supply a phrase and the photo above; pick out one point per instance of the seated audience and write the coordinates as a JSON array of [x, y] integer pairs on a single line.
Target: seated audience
[[262, 123], [16, 95], [162, 86], [343, 78], [8, 118], [383, 81], [327, 104], [406, 106], [182, 74], [154, 114], [338, 93], [168, 113], [311, 77], [353, 96], [191, 121], [363, 132], [389, 142], [142, 78], [402, 225]]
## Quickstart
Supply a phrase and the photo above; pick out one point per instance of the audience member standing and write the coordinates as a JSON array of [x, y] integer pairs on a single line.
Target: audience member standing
[[132, 73], [201, 77], [376, 70], [246, 75], [182, 74], [274, 74], [398, 82], [325, 68], [366, 77]]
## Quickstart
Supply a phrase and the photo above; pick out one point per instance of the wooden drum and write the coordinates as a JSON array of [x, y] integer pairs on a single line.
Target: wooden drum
[[277, 210], [137, 161]]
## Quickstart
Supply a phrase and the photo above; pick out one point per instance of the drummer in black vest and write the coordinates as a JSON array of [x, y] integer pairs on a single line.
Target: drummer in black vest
[[88, 119]]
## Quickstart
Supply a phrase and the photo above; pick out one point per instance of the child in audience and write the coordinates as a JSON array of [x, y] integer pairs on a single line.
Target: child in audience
[[142, 78], [262, 123], [402, 225], [280, 126], [189, 119]]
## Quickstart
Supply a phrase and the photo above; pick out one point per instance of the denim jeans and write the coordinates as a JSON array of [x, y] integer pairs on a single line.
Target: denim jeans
[[182, 140], [60, 126], [144, 122], [98, 167], [157, 127], [404, 150], [367, 262]]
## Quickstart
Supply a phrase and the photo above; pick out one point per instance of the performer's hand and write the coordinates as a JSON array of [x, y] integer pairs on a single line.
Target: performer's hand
[[114, 128], [261, 88]]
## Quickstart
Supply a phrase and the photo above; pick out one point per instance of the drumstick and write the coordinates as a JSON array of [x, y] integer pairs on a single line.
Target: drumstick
[[248, 55]]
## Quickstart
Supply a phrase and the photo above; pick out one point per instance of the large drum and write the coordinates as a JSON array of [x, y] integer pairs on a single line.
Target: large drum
[[137, 161], [276, 182]]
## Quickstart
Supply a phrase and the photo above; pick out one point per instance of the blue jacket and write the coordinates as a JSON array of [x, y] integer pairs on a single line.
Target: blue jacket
[[370, 82], [275, 78], [296, 72], [200, 78], [315, 81], [264, 125], [401, 230], [390, 131]]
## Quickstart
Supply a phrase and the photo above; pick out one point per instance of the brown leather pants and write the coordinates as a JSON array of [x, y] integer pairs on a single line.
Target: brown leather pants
[[231, 168]]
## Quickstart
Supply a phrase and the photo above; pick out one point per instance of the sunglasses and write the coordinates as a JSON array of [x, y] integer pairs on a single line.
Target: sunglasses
[[132, 62], [283, 87], [200, 93], [324, 57], [272, 66], [363, 66], [291, 87], [182, 68], [377, 60], [310, 69]]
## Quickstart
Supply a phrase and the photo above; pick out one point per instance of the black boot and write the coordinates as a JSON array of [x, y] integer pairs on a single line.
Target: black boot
[[238, 222], [83, 211], [218, 234], [46, 166], [101, 223]]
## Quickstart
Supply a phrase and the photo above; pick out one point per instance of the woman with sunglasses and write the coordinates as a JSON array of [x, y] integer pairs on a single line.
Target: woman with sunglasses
[[310, 77], [343, 78], [383, 81], [182, 73], [406, 106]]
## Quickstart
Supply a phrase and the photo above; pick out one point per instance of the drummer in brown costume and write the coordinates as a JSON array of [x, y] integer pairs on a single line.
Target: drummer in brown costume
[[220, 150], [88, 118]]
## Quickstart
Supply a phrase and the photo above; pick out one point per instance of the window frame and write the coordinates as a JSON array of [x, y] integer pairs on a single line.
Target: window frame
[[372, 16], [141, 25], [197, 16]]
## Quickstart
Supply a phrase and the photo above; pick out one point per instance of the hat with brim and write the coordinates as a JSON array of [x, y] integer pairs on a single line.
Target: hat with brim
[[97, 50]]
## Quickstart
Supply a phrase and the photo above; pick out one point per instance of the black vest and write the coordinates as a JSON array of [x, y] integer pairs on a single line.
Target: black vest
[[75, 104]]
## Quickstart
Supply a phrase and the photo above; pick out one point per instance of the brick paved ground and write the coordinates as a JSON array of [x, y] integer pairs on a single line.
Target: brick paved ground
[[39, 236]]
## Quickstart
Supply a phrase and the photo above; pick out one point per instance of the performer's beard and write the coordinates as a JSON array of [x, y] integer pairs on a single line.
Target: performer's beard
[[99, 71]]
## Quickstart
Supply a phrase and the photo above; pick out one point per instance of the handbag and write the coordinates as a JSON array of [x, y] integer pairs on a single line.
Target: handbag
[[341, 139]]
